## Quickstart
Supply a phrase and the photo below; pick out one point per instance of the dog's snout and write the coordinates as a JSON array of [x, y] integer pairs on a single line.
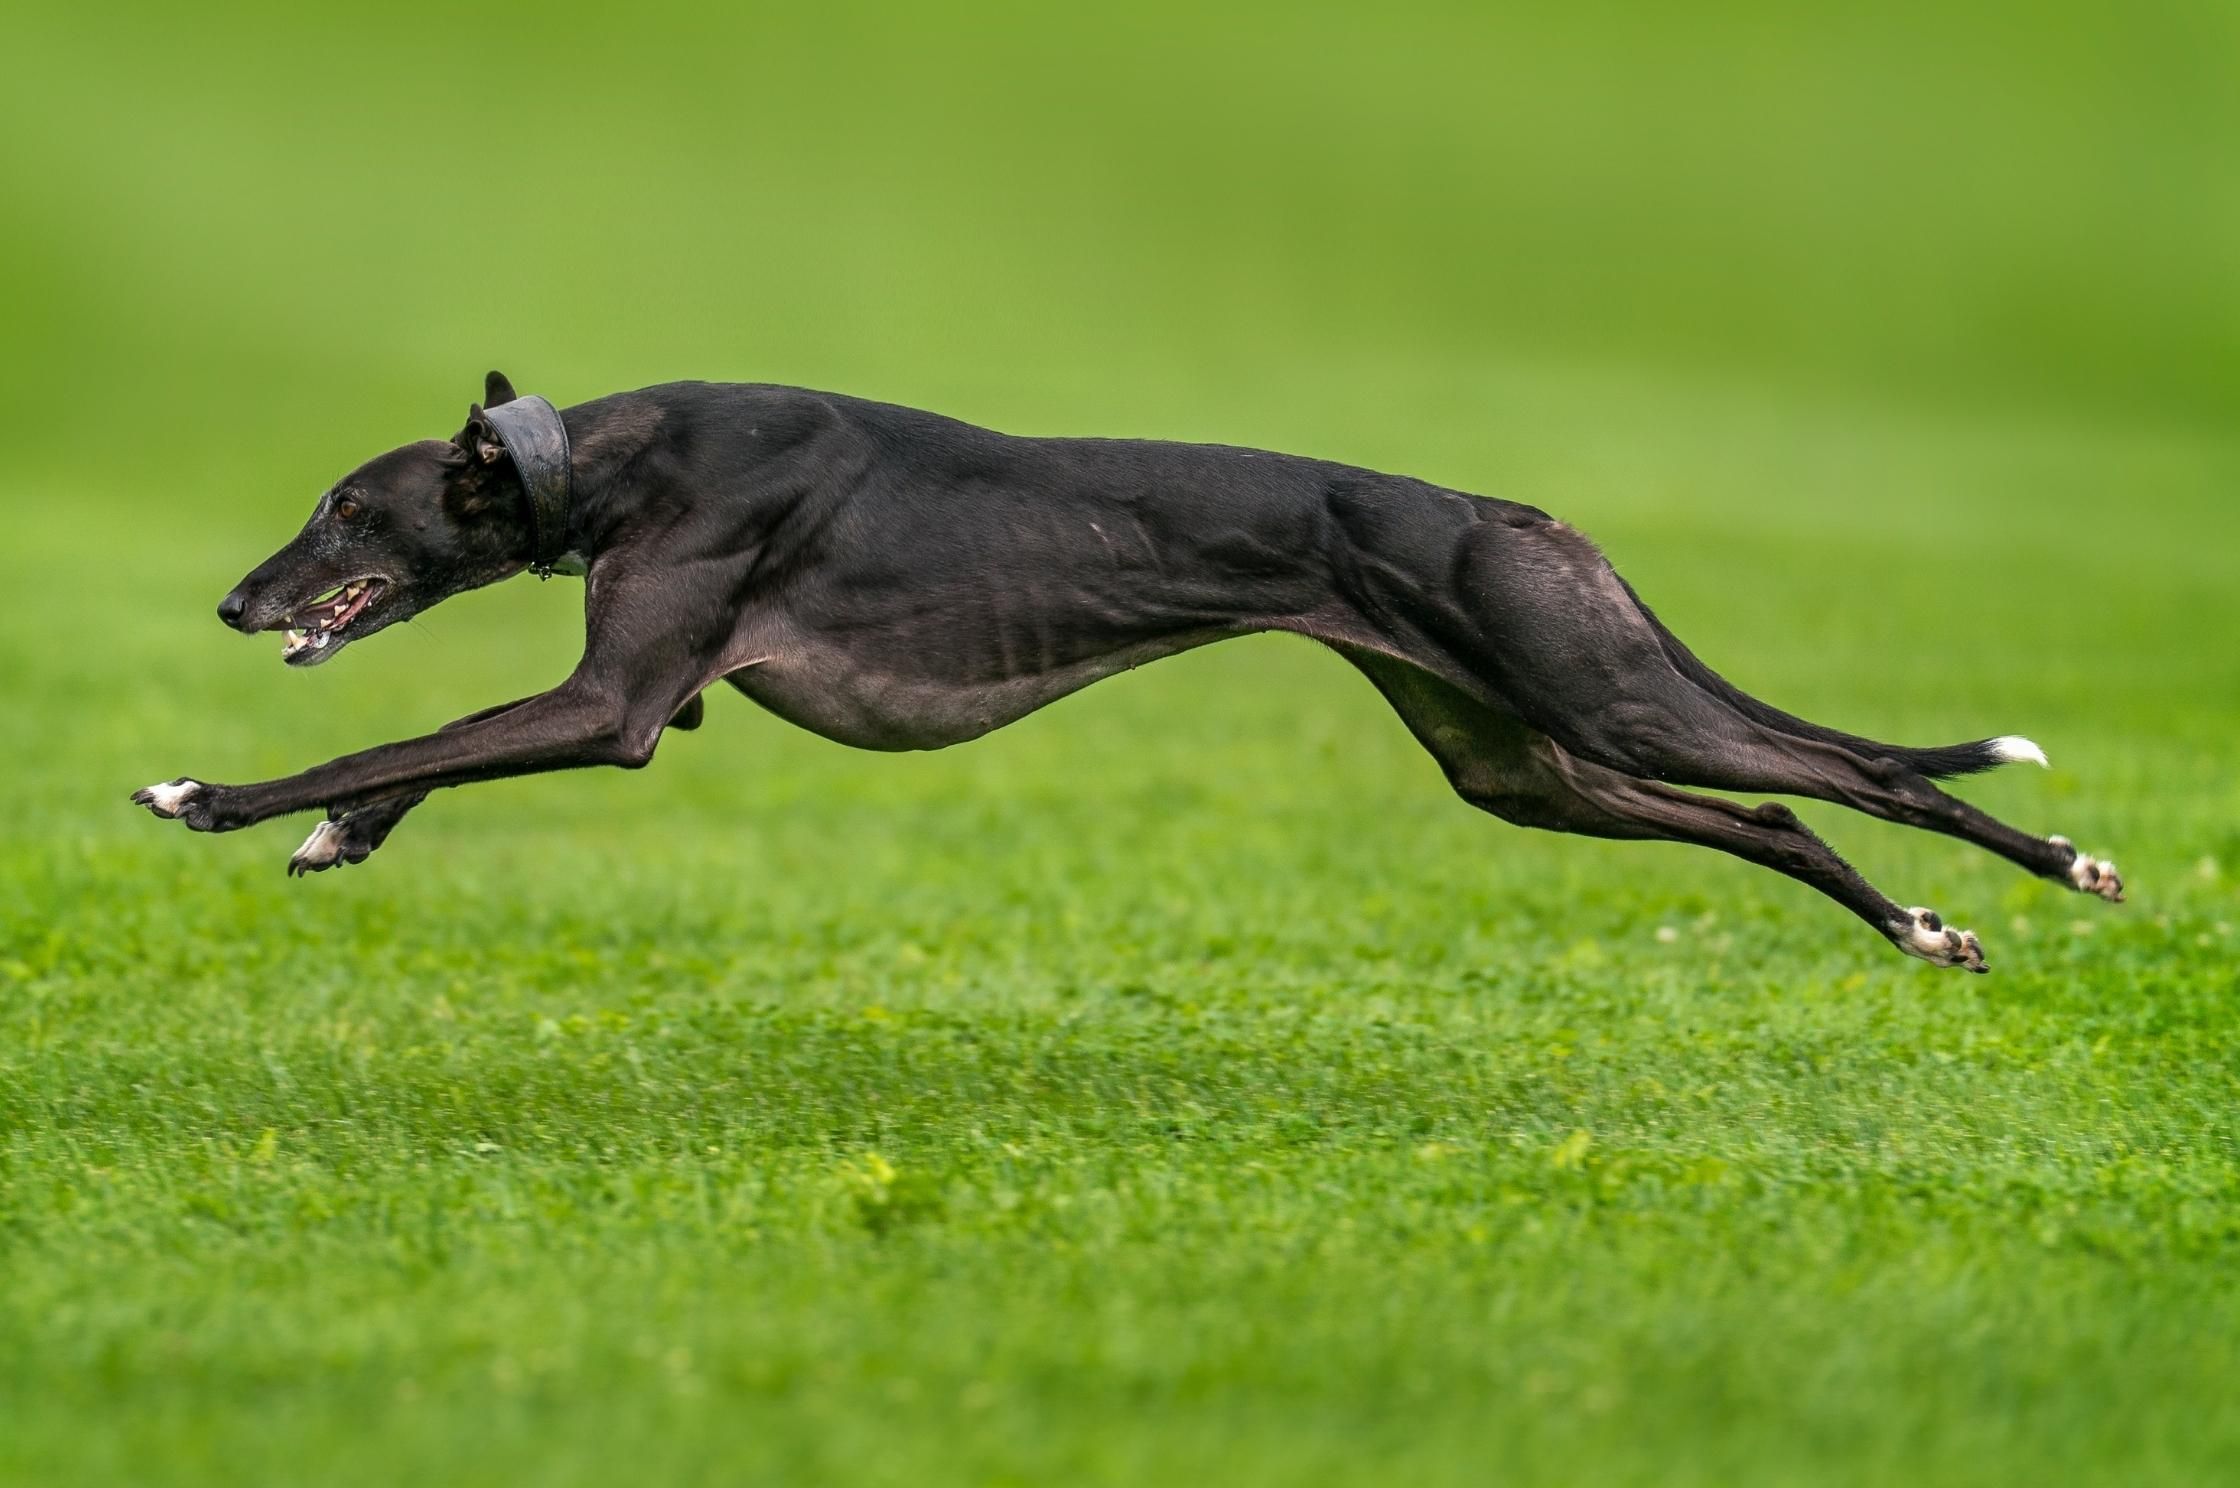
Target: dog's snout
[[233, 607]]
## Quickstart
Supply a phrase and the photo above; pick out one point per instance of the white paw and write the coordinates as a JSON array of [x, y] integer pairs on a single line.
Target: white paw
[[1923, 934], [2092, 875], [168, 798], [322, 849]]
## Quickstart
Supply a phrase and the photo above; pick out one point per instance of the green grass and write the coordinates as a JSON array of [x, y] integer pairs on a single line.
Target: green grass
[[1180, 1082]]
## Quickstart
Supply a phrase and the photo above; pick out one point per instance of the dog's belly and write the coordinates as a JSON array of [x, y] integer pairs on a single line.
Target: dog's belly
[[819, 687]]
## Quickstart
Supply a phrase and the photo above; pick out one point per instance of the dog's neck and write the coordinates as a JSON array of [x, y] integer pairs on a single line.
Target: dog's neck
[[606, 439]]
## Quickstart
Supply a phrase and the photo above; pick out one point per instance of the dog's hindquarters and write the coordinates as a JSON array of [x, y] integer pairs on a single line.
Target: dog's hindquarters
[[1523, 616]]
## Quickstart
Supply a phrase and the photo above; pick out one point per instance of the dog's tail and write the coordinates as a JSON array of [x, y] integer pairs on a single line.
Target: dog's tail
[[1938, 761]]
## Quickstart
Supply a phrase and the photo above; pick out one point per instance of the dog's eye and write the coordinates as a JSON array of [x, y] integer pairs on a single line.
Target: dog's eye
[[346, 508]]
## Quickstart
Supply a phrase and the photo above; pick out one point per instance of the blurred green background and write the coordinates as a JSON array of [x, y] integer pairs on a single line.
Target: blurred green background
[[234, 218], [1181, 1080]]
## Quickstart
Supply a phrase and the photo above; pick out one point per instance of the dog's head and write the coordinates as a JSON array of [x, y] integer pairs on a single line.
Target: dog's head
[[398, 535]]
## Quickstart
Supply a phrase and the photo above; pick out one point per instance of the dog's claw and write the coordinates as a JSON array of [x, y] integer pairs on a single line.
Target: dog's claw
[[1924, 934]]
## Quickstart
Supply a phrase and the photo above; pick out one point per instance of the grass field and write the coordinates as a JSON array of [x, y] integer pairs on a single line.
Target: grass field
[[1180, 1082]]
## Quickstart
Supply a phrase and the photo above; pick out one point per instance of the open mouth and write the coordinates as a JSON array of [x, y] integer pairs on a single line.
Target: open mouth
[[315, 629]]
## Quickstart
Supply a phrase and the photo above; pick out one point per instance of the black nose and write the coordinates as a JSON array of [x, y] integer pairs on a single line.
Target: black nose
[[232, 608]]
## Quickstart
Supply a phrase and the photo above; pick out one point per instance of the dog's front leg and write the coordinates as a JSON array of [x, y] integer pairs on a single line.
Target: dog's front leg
[[353, 835], [570, 727]]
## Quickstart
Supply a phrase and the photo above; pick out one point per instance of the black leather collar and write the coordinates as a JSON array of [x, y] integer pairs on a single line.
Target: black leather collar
[[532, 433]]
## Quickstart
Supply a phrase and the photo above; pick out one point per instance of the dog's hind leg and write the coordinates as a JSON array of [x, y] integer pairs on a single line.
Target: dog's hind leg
[[354, 835], [1885, 786], [1736, 743], [1707, 743], [1548, 625], [1504, 766], [1892, 782]]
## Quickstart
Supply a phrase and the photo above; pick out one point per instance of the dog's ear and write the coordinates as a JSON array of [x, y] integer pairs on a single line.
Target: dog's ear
[[479, 439], [496, 390], [478, 487]]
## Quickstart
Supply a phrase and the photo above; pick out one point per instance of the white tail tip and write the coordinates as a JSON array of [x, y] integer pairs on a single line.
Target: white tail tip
[[2013, 749]]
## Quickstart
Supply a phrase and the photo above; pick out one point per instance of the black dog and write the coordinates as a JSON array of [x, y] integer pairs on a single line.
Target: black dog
[[896, 580]]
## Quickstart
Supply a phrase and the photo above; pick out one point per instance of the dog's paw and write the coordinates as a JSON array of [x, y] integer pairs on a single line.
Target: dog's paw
[[199, 805], [320, 851], [2092, 875], [173, 800], [1923, 934], [330, 845]]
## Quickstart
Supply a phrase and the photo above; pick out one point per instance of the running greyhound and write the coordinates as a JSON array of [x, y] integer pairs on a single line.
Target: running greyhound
[[893, 579]]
